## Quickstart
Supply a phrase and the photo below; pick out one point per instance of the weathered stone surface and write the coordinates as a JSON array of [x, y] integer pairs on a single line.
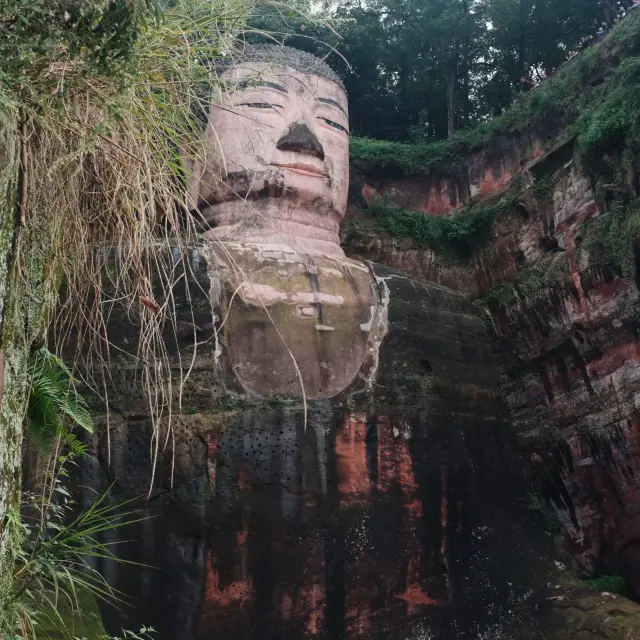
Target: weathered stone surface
[[442, 190], [381, 517], [299, 325], [568, 357], [343, 465]]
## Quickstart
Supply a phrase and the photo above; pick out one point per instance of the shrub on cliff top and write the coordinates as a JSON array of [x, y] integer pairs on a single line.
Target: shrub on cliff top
[[610, 584], [369, 154], [611, 127]]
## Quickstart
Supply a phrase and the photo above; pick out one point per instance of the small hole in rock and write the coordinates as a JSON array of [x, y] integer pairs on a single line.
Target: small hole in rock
[[426, 366]]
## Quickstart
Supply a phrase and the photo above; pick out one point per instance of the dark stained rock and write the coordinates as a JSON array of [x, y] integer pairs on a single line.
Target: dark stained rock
[[567, 348], [400, 509]]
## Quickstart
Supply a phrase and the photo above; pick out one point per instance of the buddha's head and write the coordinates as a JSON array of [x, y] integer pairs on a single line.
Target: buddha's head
[[277, 152]]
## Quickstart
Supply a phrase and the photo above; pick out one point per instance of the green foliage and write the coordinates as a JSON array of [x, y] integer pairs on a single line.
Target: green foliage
[[100, 35], [411, 159], [531, 283], [611, 127], [99, 96], [612, 238], [55, 564], [552, 525], [610, 584], [504, 295], [55, 582], [458, 236], [418, 66], [557, 103], [55, 406], [303, 24], [543, 188]]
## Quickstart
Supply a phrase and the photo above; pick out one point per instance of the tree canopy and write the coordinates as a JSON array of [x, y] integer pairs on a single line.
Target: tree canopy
[[422, 69]]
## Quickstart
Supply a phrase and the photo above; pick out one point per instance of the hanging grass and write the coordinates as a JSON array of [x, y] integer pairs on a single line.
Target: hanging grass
[[97, 103], [104, 93], [98, 111]]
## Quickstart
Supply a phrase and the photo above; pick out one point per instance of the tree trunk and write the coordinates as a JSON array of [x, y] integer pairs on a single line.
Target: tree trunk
[[452, 77], [523, 19], [13, 362], [609, 13], [466, 66]]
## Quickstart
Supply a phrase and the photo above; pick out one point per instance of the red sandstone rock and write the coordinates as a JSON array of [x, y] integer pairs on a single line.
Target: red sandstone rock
[[569, 358]]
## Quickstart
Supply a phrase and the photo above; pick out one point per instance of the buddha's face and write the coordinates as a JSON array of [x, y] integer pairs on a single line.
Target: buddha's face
[[278, 145]]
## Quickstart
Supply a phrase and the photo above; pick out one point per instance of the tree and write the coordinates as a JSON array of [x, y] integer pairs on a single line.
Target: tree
[[406, 61], [428, 67]]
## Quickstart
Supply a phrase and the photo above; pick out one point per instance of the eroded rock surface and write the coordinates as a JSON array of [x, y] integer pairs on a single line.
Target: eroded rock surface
[[568, 351], [341, 463], [400, 509]]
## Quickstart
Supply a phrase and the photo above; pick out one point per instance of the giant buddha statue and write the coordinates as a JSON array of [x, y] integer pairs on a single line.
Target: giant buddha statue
[[344, 466], [273, 190]]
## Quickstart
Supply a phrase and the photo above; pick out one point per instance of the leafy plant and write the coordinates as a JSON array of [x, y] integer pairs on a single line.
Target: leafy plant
[[611, 238], [55, 406], [611, 127], [54, 578], [457, 236]]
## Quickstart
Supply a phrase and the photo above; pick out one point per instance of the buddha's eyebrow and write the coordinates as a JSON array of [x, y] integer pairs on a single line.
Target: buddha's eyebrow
[[272, 85], [332, 103]]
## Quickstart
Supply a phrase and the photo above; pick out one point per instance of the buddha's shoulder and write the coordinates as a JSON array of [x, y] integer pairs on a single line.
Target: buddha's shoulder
[[435, 338], [404, 289]]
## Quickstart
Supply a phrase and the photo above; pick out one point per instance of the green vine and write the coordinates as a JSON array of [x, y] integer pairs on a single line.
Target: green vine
[[611, 238]]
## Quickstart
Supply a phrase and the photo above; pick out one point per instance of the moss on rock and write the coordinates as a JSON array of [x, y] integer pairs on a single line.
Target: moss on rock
[[11, 407]]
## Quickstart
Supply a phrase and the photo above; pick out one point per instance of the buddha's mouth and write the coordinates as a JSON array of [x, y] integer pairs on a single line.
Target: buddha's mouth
[[303, 168]]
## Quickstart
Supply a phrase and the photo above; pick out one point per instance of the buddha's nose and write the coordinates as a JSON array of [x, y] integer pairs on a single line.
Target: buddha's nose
[[301, 139]]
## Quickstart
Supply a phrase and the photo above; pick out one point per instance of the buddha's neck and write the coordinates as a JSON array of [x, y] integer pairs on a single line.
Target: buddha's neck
[[307, 230]]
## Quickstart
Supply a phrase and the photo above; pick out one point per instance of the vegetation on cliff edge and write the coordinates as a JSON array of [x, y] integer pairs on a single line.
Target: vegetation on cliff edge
[[594, 100], [554, 105], [458, 236]]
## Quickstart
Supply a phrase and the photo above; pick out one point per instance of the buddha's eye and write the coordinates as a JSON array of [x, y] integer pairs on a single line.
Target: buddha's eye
[[335, 125], [260, 105]]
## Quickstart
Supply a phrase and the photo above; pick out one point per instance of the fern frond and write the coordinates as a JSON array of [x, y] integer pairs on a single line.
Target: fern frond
[[54, 401]]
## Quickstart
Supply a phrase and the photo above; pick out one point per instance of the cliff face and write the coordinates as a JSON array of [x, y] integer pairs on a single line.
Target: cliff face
[[556, 282], [398, 508]]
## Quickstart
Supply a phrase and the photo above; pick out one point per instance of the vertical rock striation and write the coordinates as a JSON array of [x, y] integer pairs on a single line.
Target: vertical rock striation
[[563, 317], [378, 517]]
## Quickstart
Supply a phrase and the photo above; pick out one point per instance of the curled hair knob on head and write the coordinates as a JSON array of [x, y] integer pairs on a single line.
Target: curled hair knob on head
[[282, 56]]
